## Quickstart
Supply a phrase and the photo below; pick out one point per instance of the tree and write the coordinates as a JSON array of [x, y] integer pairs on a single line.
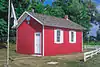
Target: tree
[[20, 6], [3, 28], [3, 9], [76, 10], [37, 5], [57, 11], [98, 34], [92, 9], [98, 17], [3, 21]]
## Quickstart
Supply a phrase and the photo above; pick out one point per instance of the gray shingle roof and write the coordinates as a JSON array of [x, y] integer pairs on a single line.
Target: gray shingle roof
[[57, 22]]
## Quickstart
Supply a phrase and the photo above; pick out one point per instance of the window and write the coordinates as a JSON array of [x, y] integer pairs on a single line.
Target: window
[[28, 20], [72, 36], [58, 36]]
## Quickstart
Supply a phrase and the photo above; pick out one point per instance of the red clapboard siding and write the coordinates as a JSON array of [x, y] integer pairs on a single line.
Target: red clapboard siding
[[65, 48], [25, 39], [25, 36]]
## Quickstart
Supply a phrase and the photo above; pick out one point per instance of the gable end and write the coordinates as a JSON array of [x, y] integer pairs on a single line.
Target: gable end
[[23, 16]]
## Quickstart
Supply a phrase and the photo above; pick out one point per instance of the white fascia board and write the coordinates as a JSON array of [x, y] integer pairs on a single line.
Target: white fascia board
[[34, 18], [21, 16], [29, 15]]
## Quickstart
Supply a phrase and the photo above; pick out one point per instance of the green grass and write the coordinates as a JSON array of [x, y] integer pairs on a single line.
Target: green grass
[[92, 43], [42, 61]]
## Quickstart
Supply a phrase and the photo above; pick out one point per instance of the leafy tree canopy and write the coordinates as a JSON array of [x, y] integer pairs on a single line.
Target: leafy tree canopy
[[76, 10], [98, 17], [79, 11], [3, 28]]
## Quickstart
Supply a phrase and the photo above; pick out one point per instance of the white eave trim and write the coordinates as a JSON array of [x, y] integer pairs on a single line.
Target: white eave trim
[[29, 15], [34, 17], [21, 16]]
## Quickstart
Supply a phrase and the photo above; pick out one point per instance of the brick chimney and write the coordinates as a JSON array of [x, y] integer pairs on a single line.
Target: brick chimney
[[66, 17]]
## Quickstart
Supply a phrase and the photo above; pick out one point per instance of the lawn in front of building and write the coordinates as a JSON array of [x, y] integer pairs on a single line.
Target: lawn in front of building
[[71, 60]]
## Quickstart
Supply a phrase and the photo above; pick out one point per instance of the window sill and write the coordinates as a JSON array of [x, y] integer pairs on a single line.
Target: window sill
[[58, 42], [72, 42]]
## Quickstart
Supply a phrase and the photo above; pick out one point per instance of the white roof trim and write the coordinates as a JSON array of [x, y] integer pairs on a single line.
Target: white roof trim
[[21, 16], [29, 15], [34, 18]]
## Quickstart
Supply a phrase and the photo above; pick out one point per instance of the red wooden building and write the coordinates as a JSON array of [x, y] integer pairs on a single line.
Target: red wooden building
[[39, 34]]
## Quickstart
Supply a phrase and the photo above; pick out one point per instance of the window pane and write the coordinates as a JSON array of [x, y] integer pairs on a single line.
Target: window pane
[[58, 39], [37, 34], [72, 36], [58, 35], [58, 32]]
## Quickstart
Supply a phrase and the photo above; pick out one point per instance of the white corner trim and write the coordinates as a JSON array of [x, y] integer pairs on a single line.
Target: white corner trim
[[29, 15], [43, 40], [21, 16]]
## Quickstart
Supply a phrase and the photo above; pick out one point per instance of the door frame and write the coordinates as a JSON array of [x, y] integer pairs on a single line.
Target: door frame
[[35, 42]]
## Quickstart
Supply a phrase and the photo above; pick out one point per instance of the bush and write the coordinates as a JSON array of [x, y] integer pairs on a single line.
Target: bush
[[92, 43]]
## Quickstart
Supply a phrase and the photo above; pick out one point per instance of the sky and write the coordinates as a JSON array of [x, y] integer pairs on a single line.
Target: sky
[[97, 2], [48, 2]]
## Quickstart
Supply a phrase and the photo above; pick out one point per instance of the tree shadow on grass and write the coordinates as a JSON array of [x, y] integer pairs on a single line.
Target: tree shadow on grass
[[3, 45]]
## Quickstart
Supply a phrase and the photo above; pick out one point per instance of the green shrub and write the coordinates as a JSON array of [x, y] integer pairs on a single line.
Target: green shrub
[[92, 43]]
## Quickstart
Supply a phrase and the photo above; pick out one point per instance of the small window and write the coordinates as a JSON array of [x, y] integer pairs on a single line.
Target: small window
[[58, 36], [72, 36], [28, 20], [37, 34]]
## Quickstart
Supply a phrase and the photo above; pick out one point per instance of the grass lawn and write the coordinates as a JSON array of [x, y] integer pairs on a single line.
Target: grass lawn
[[62, 60]]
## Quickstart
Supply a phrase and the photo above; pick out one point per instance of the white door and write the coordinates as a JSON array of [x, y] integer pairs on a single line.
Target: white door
[[38, 42]]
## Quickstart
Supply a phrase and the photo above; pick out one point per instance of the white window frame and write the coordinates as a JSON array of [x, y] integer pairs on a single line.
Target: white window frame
[[70, 36], [61, 36]]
